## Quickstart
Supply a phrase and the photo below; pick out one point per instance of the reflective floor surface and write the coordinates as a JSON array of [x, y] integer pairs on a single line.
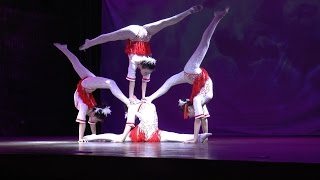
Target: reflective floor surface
[[219, 157]]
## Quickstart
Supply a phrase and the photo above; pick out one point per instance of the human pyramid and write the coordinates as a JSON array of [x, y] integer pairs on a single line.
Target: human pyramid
[[140, 58]]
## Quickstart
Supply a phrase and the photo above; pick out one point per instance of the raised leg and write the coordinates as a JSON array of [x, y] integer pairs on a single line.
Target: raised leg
[[197, 57], [128, 32], [77, 66], [157, 26]]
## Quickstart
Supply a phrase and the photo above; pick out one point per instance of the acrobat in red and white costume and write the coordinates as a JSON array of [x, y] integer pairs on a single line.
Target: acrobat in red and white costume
[[138, 50], [83, 101], [202, 90], [137, 45], [147, 129], [83, 98]]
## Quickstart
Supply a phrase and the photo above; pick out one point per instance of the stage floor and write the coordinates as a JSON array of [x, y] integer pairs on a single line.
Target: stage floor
[[295, 154], [269, 149]]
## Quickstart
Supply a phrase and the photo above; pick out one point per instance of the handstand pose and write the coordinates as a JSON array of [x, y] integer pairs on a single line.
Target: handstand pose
[[147, 130], [83, 98], [138, 47], [202, 88]]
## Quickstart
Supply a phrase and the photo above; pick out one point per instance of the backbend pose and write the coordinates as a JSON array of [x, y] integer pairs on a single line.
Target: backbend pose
[[138, 47], [202, 88], [83, 97], [147, 130]]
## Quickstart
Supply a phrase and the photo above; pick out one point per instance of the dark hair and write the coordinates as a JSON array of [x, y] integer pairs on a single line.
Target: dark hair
[[99, 112], [125, 107], [148, 64], [187, 101]]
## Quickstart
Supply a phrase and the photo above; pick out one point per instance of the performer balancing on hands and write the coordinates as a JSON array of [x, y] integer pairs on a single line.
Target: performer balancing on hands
[[83, 97], [202, 87], [138, 47]]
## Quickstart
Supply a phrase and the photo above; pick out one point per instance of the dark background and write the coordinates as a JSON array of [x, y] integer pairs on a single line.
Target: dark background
[[37, 81], [263, 57]]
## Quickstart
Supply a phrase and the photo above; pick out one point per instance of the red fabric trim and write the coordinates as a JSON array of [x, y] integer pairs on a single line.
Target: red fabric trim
[[130, 79], [138, 47], [146, 80], [136, 135], [87, 98], [90, 122], [185, 111], [198, 83], [80, 121], [155, 137], [200, 115]]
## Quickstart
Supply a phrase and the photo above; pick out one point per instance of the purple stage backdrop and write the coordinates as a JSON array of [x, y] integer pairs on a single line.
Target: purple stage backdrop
[[263, 59]]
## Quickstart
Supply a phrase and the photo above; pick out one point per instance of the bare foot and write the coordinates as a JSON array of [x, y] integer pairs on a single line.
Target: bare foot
[[204, 137], [85, 45], [91, 137], [82, 141], [221, 14], [60, 46], [196, 9]]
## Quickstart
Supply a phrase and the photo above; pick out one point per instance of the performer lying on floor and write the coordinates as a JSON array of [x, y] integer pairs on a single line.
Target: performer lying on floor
[[147, 129]]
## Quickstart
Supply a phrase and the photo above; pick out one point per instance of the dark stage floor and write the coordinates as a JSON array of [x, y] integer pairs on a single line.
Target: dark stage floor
[[256, 157]]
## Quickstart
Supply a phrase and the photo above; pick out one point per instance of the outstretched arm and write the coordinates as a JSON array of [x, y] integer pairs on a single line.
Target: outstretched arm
[[82, 128], [157, 26], [122, 137], [93, 128], [143, 89], [132, 97], [77, 66], [172, 81], [131, 116], [204, 125]]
